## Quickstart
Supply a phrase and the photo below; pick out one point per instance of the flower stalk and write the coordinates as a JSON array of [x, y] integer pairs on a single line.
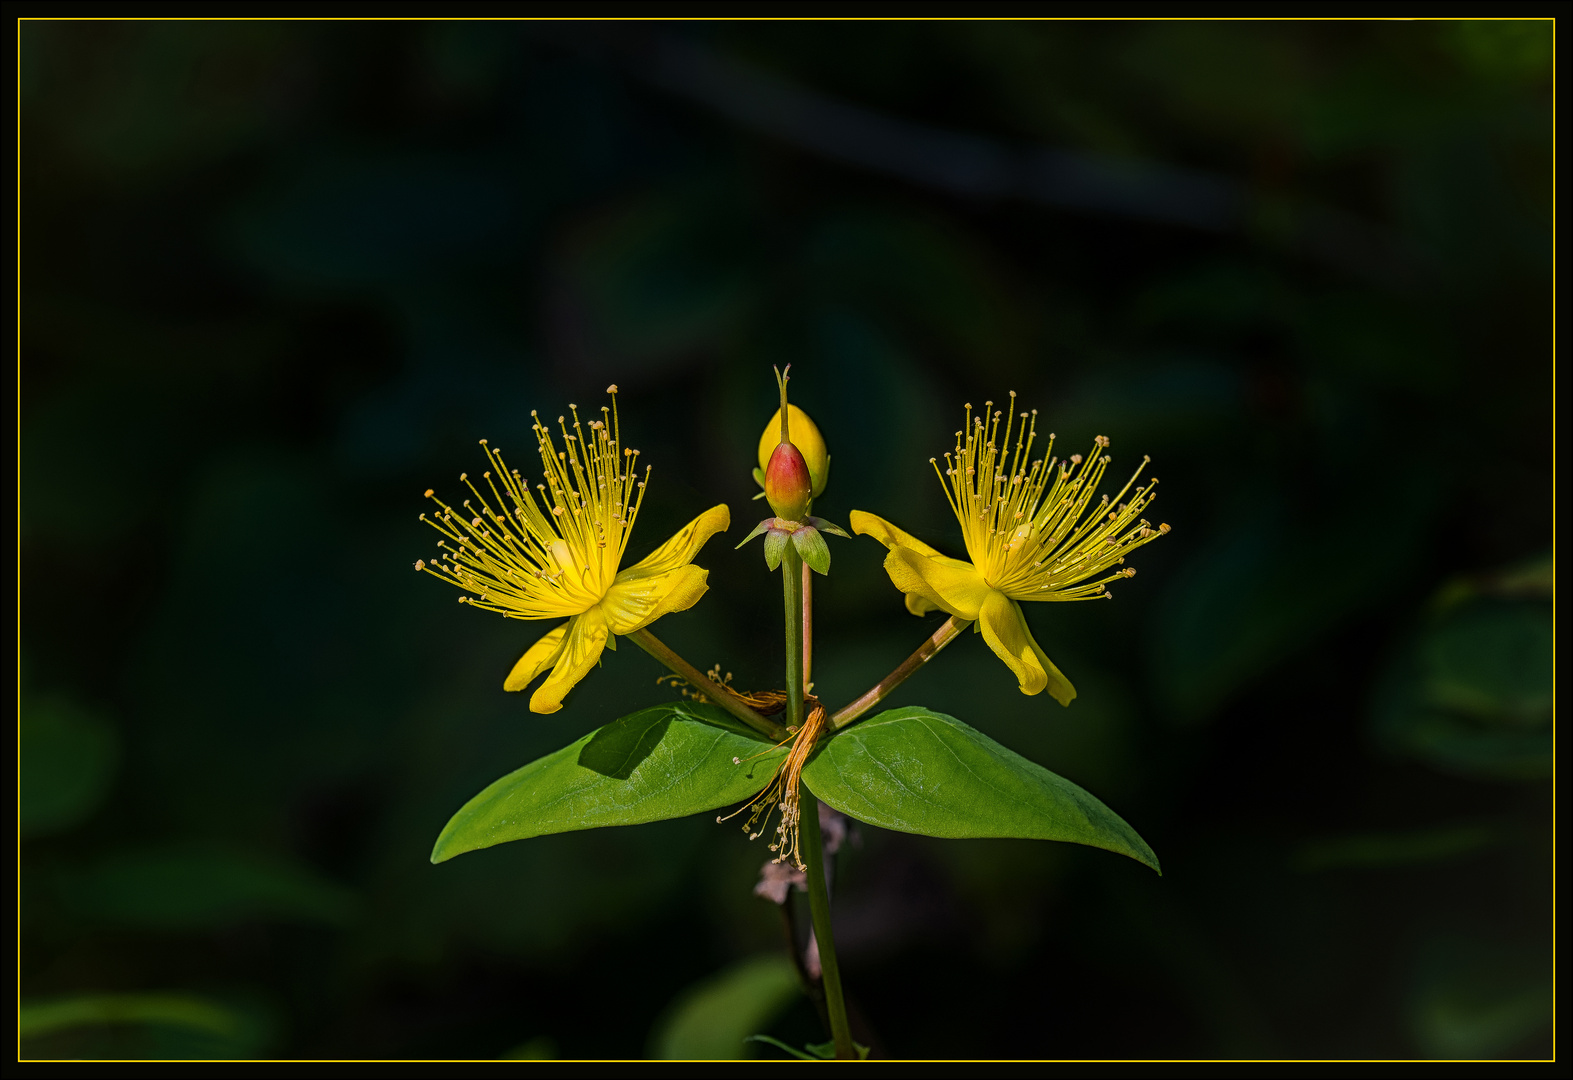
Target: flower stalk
[[711, 689], [948, 631], [808, 629]]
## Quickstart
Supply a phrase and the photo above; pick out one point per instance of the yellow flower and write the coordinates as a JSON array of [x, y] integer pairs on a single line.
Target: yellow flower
[[1031, 531], [559, 556]]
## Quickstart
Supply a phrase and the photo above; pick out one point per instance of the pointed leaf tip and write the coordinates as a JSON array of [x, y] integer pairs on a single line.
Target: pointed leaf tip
[[662, 762], [918, 771]]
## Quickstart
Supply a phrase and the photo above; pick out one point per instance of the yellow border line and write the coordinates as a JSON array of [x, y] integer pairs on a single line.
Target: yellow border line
[[862, 18]]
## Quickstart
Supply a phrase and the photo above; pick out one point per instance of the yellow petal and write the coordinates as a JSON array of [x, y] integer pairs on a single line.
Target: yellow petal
[[634, 604], [1006, 631], [919, 606], [683, 546], [1060, 688], [585, 639], [536, 659], [951, 585], [868, 524]]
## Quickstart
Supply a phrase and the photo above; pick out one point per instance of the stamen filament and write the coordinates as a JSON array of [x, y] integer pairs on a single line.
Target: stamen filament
[[1033, 527], [553, 551]]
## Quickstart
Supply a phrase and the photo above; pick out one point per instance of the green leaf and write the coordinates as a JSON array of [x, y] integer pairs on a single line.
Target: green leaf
[[918, 771], [666, 761], [711, 1020]]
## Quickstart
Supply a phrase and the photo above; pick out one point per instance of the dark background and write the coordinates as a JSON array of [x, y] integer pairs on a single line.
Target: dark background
[[278, 278]]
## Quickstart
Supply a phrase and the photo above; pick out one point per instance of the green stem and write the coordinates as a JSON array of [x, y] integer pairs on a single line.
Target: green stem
[[813, 847], [819, 909], [707, 686], [810, 987], [792, 600], [907, 668], [808, 627]]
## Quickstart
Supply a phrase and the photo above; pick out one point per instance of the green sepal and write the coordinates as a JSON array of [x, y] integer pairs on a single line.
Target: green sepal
[[923, 772], [759, 478], [828, 527], [666, 761], [775, 547], [761, 527], [812, 547]]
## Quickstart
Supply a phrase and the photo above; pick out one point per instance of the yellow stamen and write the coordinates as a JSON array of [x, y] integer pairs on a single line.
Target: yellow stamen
[[554, 551], [695, 693], [1031, 526]]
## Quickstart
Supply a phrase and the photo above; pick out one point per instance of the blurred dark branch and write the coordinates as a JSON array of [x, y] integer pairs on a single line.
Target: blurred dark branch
[[977, 167], [957, 162]]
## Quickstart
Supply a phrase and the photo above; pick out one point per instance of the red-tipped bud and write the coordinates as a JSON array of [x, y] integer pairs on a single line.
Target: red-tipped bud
[[788, 486]]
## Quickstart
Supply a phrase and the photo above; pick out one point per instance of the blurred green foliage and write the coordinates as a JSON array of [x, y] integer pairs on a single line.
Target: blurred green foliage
[[71, 756], [143, 1025], [277, 278], [1472, 691], [713, 1019], [177, 888]]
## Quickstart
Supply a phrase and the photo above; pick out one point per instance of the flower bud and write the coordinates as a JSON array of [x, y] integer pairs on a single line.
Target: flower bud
[[806, 437], [788, 484]]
